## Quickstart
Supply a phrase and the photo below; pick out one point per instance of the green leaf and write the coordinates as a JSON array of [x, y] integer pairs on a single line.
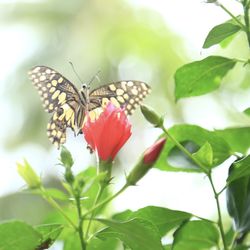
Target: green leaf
[[232, 135], [241, 247], [198, 235], [230, 236], [201, 77], [168, 247], [97, 244], [247, 111], [238, 195], [66, 157], [49, 233], [172, 159], [205, 155], [56, 194], [17, 235], [163, 218], [239, 169], [138, 234], [72, 242], [219, 33]]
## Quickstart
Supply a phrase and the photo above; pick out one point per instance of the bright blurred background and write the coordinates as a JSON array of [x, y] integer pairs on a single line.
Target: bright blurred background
[[125, 39]]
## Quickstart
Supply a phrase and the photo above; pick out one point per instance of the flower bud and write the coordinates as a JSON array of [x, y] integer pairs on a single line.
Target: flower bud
[[146, 162], [66, 158], [28, 174], [151, 116]]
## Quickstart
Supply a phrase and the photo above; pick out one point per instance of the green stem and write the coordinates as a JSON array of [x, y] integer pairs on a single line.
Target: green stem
[[54, 204], [184, 150], [106, 200], [231, 15], [216, 196], [80, 221], [241, 61], [208, 173], [97, 199], [222, 190]]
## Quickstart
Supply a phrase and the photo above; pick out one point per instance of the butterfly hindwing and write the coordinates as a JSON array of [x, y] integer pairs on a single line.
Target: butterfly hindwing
[[127, 94], [53, 88], [56, 130]]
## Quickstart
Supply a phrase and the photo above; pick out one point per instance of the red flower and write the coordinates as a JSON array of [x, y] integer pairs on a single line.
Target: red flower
[[151, 154], [108, 133]]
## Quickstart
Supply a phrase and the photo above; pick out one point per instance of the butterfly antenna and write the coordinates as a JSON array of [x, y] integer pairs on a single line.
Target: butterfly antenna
[[95, 77], [71, 64]]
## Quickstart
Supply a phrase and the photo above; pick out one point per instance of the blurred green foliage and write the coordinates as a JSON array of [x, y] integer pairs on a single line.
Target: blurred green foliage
[[123, 41]]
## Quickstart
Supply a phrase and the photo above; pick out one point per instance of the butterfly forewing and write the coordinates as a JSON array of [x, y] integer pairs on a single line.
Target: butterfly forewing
[[126, 94], [53, 88]]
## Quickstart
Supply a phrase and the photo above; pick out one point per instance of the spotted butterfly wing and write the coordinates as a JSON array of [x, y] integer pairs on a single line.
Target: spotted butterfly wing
[[62, 98], [127, 94], [69, 105]]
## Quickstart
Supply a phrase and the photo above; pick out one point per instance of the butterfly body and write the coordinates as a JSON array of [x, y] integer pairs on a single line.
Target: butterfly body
[[69, 105]]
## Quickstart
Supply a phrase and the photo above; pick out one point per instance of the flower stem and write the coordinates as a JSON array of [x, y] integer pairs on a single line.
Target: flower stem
[[208, 173], [80, 221], [216, 196], [54, 204], [233, 16], [106, 200], [97, 199], [184, 150]]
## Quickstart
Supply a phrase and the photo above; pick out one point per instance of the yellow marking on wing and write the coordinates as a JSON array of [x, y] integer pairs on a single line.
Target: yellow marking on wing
[[120, 99], [125, 96], [60, 80], [115, 102], [55, 95], [124, 85], [119, 91], [62, 97], [105, 101], [52, 89], [54, 82], [51, 106], [42, 78], [112, 87], [134, 91]]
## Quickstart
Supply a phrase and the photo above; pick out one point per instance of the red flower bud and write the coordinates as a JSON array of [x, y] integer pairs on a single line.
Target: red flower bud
[[146, 162], [152, 153], [108, 133]]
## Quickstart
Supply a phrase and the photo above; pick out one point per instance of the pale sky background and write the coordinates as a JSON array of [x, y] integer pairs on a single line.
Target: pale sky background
[[197, 18]]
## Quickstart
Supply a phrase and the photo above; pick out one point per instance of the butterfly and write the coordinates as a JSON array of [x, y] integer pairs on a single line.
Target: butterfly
[[69, 105]]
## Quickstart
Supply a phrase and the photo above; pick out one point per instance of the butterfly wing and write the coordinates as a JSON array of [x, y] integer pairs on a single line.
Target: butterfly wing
[[53, 88], [60, 96], [127, 94]]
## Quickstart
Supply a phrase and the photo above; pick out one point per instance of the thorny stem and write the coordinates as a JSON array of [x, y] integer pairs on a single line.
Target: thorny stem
[[208, 173]]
